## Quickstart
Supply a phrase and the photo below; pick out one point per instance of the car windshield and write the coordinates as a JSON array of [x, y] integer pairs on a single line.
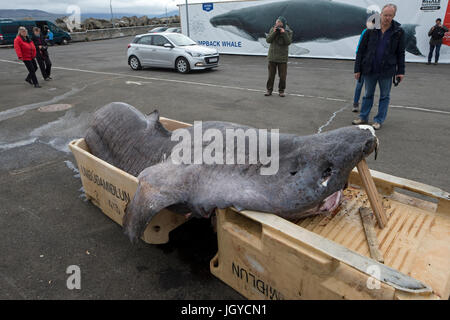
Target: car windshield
[[181, 40]]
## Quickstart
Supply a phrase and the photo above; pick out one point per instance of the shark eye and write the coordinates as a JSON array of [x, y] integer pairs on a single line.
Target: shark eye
[[327, 172], [293, 173], [326, 176]]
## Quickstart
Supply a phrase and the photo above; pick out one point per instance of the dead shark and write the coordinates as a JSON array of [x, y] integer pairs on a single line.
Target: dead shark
[[311, 174]]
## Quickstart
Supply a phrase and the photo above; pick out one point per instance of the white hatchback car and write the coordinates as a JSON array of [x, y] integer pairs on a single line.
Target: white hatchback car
[[170, 50]]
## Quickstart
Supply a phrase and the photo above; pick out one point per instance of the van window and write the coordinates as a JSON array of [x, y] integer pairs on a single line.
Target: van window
[[53, 28], [7, 28]]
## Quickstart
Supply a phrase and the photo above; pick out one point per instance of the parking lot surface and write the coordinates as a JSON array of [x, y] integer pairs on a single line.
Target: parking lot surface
[[47, 224]]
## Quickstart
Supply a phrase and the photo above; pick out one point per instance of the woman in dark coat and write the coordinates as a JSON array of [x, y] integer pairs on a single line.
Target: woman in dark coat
[[42, 56], [26, 52]]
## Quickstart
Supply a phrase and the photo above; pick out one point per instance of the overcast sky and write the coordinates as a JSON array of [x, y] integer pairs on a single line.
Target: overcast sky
[[98, 6]]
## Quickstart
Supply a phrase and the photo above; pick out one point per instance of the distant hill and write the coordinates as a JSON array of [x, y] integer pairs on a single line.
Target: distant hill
[[18, 14], [118, 15]]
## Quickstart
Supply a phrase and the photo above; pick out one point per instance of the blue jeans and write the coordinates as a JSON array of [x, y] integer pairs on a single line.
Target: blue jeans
[[358, 89], [367, 103], [438, 50]]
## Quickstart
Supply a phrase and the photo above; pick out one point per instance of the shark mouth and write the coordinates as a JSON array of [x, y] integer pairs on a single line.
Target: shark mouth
[[331, 203], [327, 206]]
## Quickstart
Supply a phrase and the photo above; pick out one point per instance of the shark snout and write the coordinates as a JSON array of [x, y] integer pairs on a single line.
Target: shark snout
[[371, 142], [370, 146]]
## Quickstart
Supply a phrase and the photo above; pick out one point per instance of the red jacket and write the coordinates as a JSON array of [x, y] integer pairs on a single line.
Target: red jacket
[[25, 50]]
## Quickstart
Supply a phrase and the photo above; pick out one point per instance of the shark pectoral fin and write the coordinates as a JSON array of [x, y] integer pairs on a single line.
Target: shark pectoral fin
[[297, 50], [263, 42], [146, 203]]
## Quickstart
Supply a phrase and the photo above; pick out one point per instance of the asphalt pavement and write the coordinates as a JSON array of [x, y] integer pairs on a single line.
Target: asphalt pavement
[[46, 223]]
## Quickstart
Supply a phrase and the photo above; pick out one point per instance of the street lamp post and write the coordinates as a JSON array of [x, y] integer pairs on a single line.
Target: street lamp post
[[187, 18], [112, 17]]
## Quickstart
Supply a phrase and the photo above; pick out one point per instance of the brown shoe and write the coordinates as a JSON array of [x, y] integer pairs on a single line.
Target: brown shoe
[[281, 94], [376, 125], [268, 93], [359, 121]]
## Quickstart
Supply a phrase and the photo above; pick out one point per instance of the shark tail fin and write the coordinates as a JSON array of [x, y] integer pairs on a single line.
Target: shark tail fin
[[146, 203]]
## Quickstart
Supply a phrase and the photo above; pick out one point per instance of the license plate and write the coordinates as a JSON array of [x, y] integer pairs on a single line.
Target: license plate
[[211, 60]]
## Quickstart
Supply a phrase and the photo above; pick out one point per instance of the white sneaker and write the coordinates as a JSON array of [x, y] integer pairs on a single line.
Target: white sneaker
[[376, 125]]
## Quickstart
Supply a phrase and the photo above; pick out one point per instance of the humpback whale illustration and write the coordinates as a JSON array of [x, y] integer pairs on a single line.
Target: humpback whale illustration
[[319, 20]]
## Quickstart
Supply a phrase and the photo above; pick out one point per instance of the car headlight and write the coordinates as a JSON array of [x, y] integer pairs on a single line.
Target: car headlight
[[194, 54]]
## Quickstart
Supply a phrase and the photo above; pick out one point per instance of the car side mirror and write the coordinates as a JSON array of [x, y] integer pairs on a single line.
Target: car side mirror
[[168, 45]]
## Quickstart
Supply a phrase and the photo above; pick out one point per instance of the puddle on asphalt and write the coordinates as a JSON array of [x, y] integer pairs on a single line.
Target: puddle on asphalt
[[60, 132], [55, 107]]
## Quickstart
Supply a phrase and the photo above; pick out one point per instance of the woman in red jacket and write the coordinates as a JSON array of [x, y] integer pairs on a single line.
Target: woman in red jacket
[[26, 51]]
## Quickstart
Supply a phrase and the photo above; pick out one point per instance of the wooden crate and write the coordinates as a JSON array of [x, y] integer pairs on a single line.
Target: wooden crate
[[264, 256], [110, 189]]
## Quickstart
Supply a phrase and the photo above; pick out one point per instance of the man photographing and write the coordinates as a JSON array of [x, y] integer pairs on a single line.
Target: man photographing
[[436, 33], [279, 37], [380, 59]]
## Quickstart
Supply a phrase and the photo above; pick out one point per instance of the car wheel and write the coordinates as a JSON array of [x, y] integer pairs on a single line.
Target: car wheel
[[64, 41], [182, 65], [134, 63]]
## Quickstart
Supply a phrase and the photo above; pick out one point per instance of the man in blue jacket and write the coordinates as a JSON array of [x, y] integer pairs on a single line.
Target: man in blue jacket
[[380, 58]]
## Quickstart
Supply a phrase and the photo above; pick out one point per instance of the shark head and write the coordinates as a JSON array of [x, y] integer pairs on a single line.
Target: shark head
[[320, 166]]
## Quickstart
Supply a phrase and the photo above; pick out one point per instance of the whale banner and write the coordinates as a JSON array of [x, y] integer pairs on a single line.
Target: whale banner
[[322, 28]]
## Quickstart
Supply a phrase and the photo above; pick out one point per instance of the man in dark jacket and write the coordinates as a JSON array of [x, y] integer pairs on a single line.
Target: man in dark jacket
[[380, 58], [42, 56], [279, 37], [436, 33]]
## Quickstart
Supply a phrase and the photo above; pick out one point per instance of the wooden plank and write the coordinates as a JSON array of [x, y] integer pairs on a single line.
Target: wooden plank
[[382, 179], [372, 240], [172, 125], [372, 193]]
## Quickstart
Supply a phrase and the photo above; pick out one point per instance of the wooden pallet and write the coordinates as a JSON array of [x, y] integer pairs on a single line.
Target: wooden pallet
[[263, 256], [110, 189]]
